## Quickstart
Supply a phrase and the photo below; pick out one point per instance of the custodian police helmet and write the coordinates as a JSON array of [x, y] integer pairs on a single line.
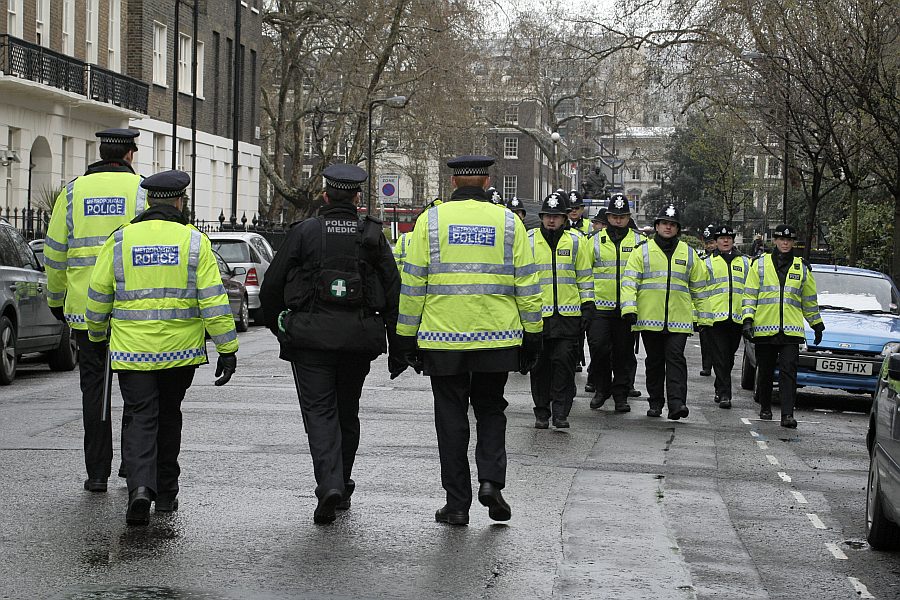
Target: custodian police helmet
[[554, 204], [669, 212], [618, 205]]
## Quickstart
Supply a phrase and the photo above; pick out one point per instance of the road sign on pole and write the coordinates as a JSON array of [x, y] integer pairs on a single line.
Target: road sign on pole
[[389, 189]]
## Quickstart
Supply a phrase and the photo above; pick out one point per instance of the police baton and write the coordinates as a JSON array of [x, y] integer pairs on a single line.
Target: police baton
[[297, 387], [107, 387]]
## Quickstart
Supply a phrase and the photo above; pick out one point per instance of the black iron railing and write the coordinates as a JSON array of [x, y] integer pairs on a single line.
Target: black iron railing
[[115, 88], [36, 63], [31, 224]]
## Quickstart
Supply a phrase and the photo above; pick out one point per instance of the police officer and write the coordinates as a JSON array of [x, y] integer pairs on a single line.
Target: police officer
[[723, 298], [661, 289], [706, 359], [779, 294], [470, 312], [563, 260], [496, 198], [157, 284], [330, 296], [518, 208], [91, 207], [598, 223], [576, 212], [609, 337], [400, 250]]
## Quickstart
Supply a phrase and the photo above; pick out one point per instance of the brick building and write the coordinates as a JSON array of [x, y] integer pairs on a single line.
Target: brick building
[[71, 67]]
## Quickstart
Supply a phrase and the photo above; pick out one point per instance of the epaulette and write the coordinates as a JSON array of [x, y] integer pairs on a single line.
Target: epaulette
[[642, 242]]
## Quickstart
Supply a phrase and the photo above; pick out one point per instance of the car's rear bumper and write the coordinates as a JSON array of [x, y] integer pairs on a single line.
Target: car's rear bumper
[[807, 374], [253, 297]]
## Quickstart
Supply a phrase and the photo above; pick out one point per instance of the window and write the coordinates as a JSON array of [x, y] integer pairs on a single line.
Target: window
[[749, 165], [184, 155], [215, 82], [42, 23], [65, 167], [253, 85], [419, 188], [91, 30], [160, 55], [307, 172], [90, 153], [68, 27], [184, 63], [636, 173], [14, 18], [308, 143], [229, 81], [511, 147], [773, 167], [512, 114], [159, 152], [201, 51], [114, 36], [214, 176], [9, 254], [510, 186]]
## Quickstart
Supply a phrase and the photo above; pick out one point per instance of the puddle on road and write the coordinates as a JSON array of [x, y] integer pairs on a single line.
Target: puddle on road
[[856, 544]]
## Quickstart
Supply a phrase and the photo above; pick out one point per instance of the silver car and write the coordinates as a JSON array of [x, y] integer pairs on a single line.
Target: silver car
[[26, 323], [250, 251]]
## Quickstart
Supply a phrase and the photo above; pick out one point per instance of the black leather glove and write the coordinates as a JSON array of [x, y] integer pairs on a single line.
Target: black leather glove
[[532, 345], [405, 351], [818, 330], [630, 318], [747, 330], [226, 365], [59, 313]]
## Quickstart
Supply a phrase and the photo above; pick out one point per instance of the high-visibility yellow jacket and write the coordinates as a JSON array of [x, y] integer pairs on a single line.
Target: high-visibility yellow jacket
[[158, 285], [86, 212], [469, 280], [400, 249], [777, 308], [664, 291], [583, 225], [609, 260], [724, 293], [564, 274]]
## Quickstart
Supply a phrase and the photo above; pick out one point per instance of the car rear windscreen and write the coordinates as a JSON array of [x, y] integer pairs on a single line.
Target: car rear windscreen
[[232, 251]]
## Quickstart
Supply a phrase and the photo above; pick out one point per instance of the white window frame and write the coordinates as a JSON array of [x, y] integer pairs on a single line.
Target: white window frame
[[14, 23], [511, 147], [771, 160], [511, 114], [90, 152], [749, 165], [185, 49], [159, 152], [91, 30], [184, 155], [68, 27], [114, 37], [636, 173], [160, 53], [510, 186], [307, 172], [201, 58], [42, 23], [309, 144]]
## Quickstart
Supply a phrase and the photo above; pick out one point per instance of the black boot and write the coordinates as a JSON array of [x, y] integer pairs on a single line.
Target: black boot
[[324, 512], [622, 405], [344, 504], [765, 413], [725, 402], [452, 517], [138, 512], [489, 495], [788, 421]]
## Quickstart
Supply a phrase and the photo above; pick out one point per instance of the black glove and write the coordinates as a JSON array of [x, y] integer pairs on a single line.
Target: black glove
[[226, 365], [403, 351], [532, 345], [59, 313], [630, 318], [747, 330], [818, 330]]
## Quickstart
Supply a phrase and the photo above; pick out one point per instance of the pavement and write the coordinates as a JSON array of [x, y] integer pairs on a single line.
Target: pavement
[[620, 506]]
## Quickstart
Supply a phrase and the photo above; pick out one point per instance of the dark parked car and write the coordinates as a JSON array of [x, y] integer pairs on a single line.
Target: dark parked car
[[883, 440], [237, 293], [26, 323]]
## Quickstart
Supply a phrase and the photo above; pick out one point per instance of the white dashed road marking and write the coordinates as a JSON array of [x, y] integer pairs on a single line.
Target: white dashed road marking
[[816, 521], [754, 434], [762, 445], [784, 476], [772, 460], [861, 590], [835, 551], [745, 421], [800, 498]]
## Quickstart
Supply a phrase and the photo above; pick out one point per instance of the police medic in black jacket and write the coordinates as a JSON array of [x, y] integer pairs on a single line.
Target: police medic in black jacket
[[331, 296]]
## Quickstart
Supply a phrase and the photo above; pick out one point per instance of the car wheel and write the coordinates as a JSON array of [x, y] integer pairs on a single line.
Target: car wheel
[[65, 356], [748, 374], [8, 356], [881, 533], [243, 322]]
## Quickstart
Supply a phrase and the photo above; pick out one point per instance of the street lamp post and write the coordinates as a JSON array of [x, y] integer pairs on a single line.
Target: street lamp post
[[753, 55], [555, 137], [393, 102]]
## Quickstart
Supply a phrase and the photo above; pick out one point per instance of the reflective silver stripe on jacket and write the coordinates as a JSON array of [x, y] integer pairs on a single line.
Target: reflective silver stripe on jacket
[[160, 314]]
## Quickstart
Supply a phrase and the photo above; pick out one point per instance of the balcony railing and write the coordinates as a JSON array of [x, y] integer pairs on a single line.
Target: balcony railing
[[42, 65]]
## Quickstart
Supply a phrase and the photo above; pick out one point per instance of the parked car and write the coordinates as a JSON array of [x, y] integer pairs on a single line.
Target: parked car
[[883, 441], [26, 323], [37, 246], [862, 326], [250, 251], [237, 293]]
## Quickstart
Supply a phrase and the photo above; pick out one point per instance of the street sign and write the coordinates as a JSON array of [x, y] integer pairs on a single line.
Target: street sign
[[389, 189]]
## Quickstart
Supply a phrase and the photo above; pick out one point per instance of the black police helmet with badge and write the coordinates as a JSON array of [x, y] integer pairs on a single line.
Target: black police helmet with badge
[[554, 204], [575, 199], [722, 231], [514, 204], [708, 233], [600, 217], [168, 184], [470, 165], [786, 231], [340, 176], [618, 205], [496, 198], [124, 137], [669, 212]]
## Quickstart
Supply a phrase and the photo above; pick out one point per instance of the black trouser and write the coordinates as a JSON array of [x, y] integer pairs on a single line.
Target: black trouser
[[452, 395], [786, 357], [612, 345], [666, 368], [706, 350], [97, 433], [330, 386], [151, 427], [553, 378], [723, 339]]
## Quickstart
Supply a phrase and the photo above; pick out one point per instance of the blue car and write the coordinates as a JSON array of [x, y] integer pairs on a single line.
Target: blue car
[[862, 327]]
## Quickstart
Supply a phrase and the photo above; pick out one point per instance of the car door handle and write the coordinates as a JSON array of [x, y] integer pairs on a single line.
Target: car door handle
[[40, 288]]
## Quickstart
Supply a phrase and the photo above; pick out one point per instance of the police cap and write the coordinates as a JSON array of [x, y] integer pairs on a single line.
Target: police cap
[[470, 165], [618, 205], [168, 184], [514, 204], [118, 136], [786, 231], [554, 204], [575, 199], [341, 176], [669, 212], [722, 231]]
